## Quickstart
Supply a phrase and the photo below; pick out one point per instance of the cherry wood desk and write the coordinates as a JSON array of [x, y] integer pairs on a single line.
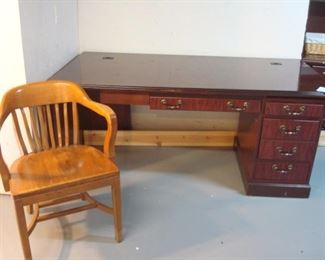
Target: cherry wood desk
[[279, 123]]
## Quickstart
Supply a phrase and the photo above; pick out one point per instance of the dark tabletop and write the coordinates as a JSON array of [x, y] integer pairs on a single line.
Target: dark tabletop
[[120, 70]]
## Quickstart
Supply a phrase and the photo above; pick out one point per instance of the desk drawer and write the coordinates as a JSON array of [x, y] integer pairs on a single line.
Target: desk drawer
[[289, 172], [294, 109], [289, 129], [286, 150], [204, 104]]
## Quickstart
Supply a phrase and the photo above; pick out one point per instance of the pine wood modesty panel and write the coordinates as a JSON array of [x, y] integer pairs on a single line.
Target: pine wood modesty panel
[[221, 139], [218, 139], [322, 139]]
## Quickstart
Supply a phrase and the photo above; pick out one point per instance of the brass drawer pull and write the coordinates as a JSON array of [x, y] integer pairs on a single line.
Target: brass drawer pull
[[287, 153], [289, 112], [172, 107], [276, 169], [231, 106], [283, 129]]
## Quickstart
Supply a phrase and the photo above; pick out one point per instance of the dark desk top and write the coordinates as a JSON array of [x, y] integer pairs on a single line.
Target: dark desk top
[[147, 72]]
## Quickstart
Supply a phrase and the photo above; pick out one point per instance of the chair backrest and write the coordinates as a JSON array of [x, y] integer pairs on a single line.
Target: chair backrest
[[44, 109], [41, 113]]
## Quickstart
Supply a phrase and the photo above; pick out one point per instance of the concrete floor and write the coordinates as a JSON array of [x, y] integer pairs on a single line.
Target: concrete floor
[[182, 204]]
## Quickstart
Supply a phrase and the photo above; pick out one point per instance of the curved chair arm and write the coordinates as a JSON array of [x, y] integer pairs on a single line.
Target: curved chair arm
[[109, 115], [4, 170]]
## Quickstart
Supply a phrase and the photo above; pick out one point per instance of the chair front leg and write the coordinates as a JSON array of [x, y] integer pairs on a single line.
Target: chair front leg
[[22, 227], [116, 201]]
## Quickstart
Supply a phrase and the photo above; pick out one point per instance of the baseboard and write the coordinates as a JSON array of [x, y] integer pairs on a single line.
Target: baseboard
[[278, 190]]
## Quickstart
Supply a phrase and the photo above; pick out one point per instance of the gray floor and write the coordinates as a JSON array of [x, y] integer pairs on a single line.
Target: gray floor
[[182, 204]]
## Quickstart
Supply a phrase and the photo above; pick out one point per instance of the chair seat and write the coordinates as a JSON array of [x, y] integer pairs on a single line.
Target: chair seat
[[37, 172]]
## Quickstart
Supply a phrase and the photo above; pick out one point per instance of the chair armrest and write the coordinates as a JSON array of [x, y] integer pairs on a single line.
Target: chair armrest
[[4, 172], [110, 116]]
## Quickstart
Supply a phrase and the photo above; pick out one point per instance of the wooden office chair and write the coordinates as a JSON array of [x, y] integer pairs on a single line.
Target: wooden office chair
[[55, 168]]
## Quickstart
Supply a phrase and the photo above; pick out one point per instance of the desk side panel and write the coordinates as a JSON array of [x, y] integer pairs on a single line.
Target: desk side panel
[[249, 129]]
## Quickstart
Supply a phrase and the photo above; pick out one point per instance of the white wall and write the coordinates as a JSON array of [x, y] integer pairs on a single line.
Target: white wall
[[50, 36], [11, 66], [259, 28]]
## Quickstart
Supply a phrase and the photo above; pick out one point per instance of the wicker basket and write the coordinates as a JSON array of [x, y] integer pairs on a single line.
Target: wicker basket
[[315, 48]]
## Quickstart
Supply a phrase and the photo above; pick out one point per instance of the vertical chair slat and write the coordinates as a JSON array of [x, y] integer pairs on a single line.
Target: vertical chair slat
[[18, 131], [28, 133], [43, 127], [58, 124], [75, 123], [35, 129], [66, 124], [50, 125]]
